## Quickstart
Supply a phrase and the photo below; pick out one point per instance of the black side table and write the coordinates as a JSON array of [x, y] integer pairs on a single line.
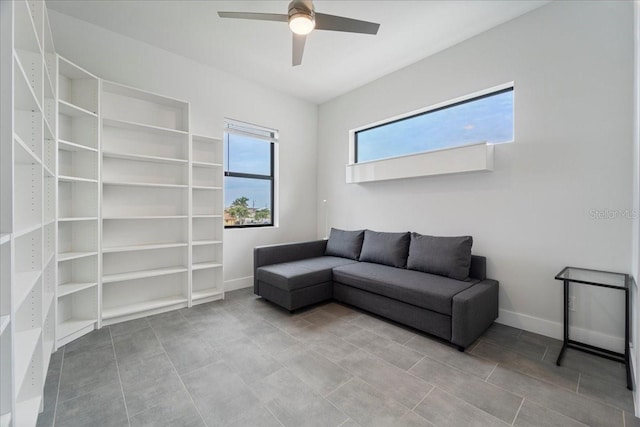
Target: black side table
[[603, 279]]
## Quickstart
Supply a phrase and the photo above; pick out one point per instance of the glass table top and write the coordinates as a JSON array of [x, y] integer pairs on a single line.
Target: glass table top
[[594, 277]]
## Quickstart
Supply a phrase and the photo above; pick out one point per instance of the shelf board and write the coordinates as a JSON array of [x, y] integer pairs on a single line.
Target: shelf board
[[205, 187], [27, 156], [132, 248], [48, 302], [144, 184], [80, 218], [206, 216], [71, 326], [25, 343], [73, 287], [47, 171], [24, 285], [124, 124], [26, 230], [142, 95], [205, 293], [206, 242], [27, 410], [143, 158], [144, 217], [24, 97], [69, 109], [142, 274], [110, 313], [68, 256], [4, 322], [5, 238], [64, 178], [206, 164], [72, 146], [204, 265]]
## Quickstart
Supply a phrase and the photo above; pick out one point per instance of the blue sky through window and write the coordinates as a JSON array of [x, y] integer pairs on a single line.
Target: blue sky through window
[[486, 119], [247, 155]]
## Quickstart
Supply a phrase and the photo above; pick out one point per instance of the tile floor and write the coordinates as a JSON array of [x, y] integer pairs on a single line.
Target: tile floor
[[245, 362]]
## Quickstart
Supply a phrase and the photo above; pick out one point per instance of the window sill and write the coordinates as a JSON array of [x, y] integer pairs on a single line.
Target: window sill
[[467, 158]]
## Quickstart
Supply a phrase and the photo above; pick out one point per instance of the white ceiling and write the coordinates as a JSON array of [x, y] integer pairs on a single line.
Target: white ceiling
[[334, 62]]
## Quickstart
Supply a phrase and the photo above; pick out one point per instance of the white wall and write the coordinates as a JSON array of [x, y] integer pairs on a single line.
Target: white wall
[[213, 95], [572, 64], [635, 255]]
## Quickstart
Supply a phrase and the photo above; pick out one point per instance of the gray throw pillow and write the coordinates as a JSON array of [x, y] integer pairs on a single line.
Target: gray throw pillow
[[385, 248], [445, 256], [345, 244]]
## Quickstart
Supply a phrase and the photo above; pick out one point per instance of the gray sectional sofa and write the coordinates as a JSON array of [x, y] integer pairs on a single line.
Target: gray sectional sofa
[[430, 283]]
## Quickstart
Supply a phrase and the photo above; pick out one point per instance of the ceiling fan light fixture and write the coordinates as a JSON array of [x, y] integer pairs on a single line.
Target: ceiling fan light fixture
[[301, 23]]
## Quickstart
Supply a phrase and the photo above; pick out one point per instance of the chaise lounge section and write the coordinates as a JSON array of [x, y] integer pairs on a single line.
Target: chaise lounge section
[[430, 283]]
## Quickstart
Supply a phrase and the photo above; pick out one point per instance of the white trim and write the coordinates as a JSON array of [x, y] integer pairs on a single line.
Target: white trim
[[553, 329], [240, 283]]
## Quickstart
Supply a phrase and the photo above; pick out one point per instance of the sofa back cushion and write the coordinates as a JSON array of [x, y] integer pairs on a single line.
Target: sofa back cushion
[[445, 256], [345, 244], [385, 248]]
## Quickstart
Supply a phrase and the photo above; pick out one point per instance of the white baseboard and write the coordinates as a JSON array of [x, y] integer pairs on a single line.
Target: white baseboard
[[555, 330], [241, 283]]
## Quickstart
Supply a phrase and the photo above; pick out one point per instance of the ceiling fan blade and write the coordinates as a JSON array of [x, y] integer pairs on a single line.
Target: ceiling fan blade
[[339, 23], [298, 48], [257, 16]]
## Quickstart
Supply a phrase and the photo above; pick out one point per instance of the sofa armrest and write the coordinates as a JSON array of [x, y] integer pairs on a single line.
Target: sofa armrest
[[285, 252], [473, 311]]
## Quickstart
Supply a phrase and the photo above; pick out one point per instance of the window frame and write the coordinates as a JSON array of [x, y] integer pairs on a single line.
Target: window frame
[[269, 136], [507, 87]]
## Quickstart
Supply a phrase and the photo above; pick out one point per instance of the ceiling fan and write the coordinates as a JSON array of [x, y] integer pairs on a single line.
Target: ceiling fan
[[302, 19]]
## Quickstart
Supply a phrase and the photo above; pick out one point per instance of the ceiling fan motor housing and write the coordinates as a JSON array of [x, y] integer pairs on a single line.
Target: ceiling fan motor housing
[[301, 7]]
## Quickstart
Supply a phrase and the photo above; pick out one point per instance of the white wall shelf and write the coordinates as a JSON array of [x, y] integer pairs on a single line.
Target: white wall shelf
[[73, 110], [206, 242], [144, 158], [134, 248], [143, 217], [143, 274], [63, 178], [198, 295], [204, 265], [143, 307], [72, 287], [72, 146], [68, 256], [27, 341], [4, 322], [144, 184]]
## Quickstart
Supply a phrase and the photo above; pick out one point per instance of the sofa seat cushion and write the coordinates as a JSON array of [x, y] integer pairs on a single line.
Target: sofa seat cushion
[[424, 290], [294, 275]]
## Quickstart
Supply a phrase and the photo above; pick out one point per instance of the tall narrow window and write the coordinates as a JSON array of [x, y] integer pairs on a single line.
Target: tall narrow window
[[248, 175], [488, 117]]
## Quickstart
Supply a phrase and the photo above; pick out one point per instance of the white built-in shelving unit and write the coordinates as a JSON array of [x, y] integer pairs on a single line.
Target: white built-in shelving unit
[[206, 219], [110, 208], [28, 208], [78, 171]]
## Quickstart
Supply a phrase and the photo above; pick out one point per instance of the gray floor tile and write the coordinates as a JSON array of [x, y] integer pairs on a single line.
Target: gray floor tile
[[487, 397], [257, 416], [290, 325], [385, 349], [129, 327], [528, 345], [143, 395], [589, 364], [341, 311], [248, 360], [350, 423], [50, 396], [588, 411], [559, 375], [317, 371], [87, 370], [140, 343], [386, 378], [145, 367], [104, 407], [92, 340], [606, 391], [294, 402], [411, 419], [366, 405], [189, 353], [383, 328], [275, 342], [177, 412], [451, 356], [333, 348], [444, 409], [534, 415]]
